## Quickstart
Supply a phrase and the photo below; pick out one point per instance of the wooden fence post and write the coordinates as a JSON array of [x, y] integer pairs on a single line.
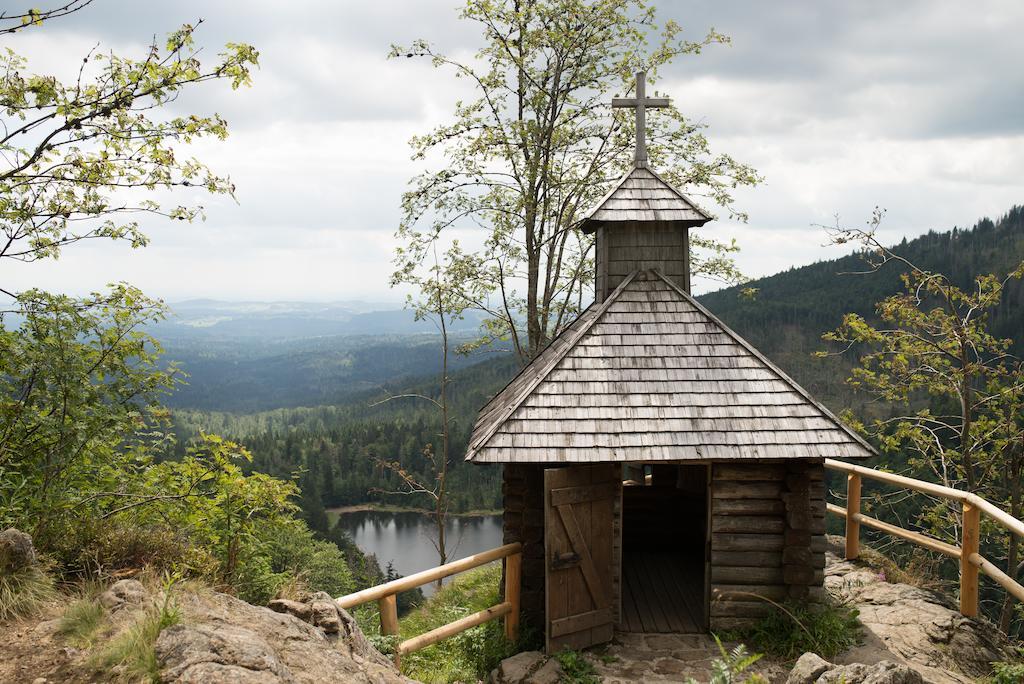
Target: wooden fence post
[[852, 511], [388, 606], [513, 580], [968, 570]]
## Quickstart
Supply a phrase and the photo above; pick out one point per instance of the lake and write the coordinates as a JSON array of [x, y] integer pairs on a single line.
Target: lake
[[404, 538]]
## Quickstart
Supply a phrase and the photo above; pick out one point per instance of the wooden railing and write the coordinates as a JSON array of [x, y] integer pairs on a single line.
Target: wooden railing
[[385, 596], [971, 561]]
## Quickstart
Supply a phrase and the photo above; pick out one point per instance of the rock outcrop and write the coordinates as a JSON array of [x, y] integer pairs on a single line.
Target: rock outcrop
[[528, 667], [812, 669], [16, 550], [223, 639], [911, 626]]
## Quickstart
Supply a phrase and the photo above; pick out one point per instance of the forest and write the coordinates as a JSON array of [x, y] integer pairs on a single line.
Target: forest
[[335, 450]]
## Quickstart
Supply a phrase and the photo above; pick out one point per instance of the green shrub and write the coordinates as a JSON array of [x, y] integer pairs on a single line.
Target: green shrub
[[792, 629], [576, 669], [1007, 673], [24, 591], [730, 666]]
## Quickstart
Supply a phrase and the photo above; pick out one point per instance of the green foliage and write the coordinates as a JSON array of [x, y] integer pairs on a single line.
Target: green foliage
[[537, 146], [24, 591], [730, 666], [793, 628], [131, 655], [81, 621], [89, 359], [1007, 673], [468, 656], [576, 669], [69, 151]]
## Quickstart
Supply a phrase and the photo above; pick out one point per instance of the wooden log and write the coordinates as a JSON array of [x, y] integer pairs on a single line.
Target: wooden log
[[1001, 578], [427, 576], [760, 559], [746, 542], [453, 628], [388, 607], [727, 574], [754, 609], [745, 490], [915, 537], [968, 570], [747, 524], [753, 471], [775, 592], [747, 507], [725, 624], [513, 584], [852, 511]]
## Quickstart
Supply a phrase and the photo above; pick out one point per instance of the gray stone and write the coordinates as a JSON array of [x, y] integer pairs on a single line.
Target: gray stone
[[807, 669], [296, 608], [16, 550], [885, 672], [324, 612], [518, 668], [549, 673], [124, 593], [223, 639]]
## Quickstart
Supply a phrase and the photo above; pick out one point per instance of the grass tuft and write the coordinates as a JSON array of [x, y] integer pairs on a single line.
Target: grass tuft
[[24, 592], [131, 655], [576, 669], [793, 628], [81, 622]]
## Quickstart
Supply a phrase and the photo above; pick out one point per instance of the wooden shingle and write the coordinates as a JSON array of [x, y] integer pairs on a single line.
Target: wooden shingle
[[642, 195], [649, 374]]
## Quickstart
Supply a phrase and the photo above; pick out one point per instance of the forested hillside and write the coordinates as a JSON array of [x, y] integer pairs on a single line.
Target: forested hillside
[[336, 448], [794, 308]]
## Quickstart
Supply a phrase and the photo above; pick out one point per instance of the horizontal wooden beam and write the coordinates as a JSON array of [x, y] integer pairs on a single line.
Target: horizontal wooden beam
[[1001, 578], [915, 537], [453, 628], [427, 576], [994, 512]]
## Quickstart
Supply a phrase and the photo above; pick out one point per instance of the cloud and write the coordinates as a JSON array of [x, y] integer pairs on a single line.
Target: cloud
[[842, 106]]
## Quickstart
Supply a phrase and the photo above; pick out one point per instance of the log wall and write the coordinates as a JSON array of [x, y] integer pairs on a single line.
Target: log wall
[[633, 246], [522, 490], [767, 537]]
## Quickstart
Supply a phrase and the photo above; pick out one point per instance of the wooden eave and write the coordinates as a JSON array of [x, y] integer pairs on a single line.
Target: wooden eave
[[650, 374], [642, 195]]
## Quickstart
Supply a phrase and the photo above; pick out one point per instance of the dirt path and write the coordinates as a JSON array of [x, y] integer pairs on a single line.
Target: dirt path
[[33, 653]]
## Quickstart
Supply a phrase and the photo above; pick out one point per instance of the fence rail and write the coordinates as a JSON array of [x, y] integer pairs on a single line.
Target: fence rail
[[972, 563], [385, 596]]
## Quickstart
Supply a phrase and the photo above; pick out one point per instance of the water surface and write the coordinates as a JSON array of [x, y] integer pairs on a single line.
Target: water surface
[[405, 539]]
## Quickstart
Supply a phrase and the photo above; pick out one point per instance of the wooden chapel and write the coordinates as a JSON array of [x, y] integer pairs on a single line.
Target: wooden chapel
[[660, 473]]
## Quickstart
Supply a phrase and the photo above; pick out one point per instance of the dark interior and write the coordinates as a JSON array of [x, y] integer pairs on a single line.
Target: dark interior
[[664, 532]]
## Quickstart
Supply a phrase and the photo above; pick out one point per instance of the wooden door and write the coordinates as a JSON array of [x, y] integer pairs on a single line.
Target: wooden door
[[579, 504]]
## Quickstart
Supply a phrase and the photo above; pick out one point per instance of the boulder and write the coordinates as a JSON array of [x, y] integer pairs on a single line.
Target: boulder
[[124, 593], [518, 669], [808, 668], [223, 639], [16, 551], [813, 669], [913, 626]]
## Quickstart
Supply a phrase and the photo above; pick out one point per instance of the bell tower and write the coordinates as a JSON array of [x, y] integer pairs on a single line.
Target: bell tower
[[643, 223]]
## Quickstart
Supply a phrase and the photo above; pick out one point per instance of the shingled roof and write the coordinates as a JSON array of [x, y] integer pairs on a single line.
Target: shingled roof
[[642, 195], [649, 374]]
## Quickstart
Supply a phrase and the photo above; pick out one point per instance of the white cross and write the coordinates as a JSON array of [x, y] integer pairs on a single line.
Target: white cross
[[641, 102]]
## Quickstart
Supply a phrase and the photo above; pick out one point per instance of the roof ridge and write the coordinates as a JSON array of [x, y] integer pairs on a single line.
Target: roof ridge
[[679, 194], [472, 447], [764, 359]]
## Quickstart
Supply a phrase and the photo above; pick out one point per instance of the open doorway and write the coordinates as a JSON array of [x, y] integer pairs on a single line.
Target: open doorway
[[664, 541]]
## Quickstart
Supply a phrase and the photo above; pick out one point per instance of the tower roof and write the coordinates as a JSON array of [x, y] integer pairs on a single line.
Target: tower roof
[[642, 195], [649, 374]]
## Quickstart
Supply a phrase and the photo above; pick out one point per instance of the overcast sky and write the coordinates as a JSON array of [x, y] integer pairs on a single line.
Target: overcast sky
[[914, 106]]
